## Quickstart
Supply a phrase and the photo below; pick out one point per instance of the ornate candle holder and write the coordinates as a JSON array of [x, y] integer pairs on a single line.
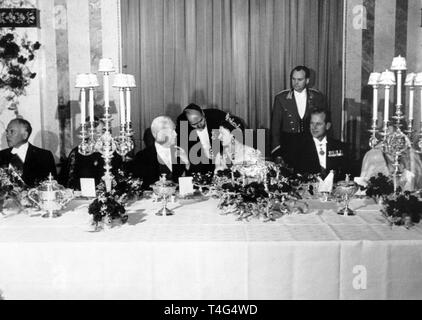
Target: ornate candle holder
[[395, 142], [105, 144]]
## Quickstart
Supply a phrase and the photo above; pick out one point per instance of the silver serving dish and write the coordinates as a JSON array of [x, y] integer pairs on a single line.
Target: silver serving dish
[[50, 196], [164, 189]]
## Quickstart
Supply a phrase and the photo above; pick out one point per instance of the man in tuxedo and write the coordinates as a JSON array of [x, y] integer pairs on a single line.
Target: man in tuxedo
[[195, 127], [291, 114], [318, 153], [163, 156], [33, 163]]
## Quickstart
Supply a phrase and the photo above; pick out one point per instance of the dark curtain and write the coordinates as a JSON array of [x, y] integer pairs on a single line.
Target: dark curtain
[[234, 55]]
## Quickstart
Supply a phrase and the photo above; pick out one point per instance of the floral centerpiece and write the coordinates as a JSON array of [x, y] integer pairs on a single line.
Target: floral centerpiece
[[202, 180], [403, 209], [272, 194], [13, 191], [15, 75], [380, 187], [109, 207]]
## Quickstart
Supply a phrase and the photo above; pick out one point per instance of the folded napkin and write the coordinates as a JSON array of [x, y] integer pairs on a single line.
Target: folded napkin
[[326, 185]]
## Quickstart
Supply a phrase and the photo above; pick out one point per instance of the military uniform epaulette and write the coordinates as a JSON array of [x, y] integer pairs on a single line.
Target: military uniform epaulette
[[283, 91], [314, 90], [287, 92]]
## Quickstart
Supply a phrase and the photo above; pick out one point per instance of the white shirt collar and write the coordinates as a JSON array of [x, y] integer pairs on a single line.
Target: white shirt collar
[[300, 98], [318, 143], [204, 137], [21, 151], [164, 154]]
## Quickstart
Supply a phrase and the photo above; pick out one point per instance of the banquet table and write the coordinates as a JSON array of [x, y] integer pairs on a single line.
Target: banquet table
[[199, 253]]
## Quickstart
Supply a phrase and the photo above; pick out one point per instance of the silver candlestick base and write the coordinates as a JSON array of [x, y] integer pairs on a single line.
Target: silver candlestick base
[[373, 141]]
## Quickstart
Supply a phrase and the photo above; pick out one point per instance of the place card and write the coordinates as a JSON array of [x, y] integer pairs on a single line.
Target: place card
[[185, 186], [88, 187]]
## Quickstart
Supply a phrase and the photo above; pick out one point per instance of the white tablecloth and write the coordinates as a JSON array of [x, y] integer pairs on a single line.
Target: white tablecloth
[[200, 254]]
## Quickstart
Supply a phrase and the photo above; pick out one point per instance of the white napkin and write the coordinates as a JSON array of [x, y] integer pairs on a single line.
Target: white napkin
[[363, 182], [326, 185]]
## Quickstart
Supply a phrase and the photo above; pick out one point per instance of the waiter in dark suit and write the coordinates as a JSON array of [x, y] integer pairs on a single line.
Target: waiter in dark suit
[[291, 114], [163, 156], [318, 153], [34, 164], [195, 127]]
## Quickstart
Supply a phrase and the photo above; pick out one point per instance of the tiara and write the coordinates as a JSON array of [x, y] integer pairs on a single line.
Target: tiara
[[231, 121]]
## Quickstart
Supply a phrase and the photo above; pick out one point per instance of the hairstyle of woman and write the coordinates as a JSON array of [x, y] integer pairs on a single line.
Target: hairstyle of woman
[[161, 129], [235, 126]]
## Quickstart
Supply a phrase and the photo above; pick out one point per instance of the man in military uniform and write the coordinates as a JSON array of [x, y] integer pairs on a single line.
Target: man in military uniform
[[291, 115]]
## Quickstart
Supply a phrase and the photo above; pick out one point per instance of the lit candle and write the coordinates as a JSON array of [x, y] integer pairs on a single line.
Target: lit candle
[[375, 104], [418, 83], [411, 98], [387, 79], [83, 105], [106, 93], [421, 105], [409, 82], [399, 88], [386, 103], [131, 83], [122, 107], [91, 105], [373, 81], [128, 105]]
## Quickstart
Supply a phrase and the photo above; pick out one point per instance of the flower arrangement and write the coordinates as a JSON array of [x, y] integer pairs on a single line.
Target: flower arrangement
[[379, 186], [403, 209], [268, 198], [15, 52], [109, 206], [201, 179], [12, 187]]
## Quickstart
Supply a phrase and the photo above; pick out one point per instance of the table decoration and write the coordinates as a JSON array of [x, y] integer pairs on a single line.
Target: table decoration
[[164, 189], [379, 188], [403, 209], [12, 191], [50, 197], [106, 144], [108, 209], [345, 190], [202, 180], [270, 194]]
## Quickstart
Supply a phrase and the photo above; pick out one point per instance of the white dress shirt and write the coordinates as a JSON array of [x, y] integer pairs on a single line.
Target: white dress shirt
[[300, 98], [204, 137], [21, 151], [164, 154], [321, 145]]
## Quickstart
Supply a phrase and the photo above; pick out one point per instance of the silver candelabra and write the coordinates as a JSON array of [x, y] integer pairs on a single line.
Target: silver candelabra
[[105, 143], [395, 141]]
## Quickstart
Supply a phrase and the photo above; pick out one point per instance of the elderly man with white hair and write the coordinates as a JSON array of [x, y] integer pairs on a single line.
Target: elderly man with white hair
[[161, 157]]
